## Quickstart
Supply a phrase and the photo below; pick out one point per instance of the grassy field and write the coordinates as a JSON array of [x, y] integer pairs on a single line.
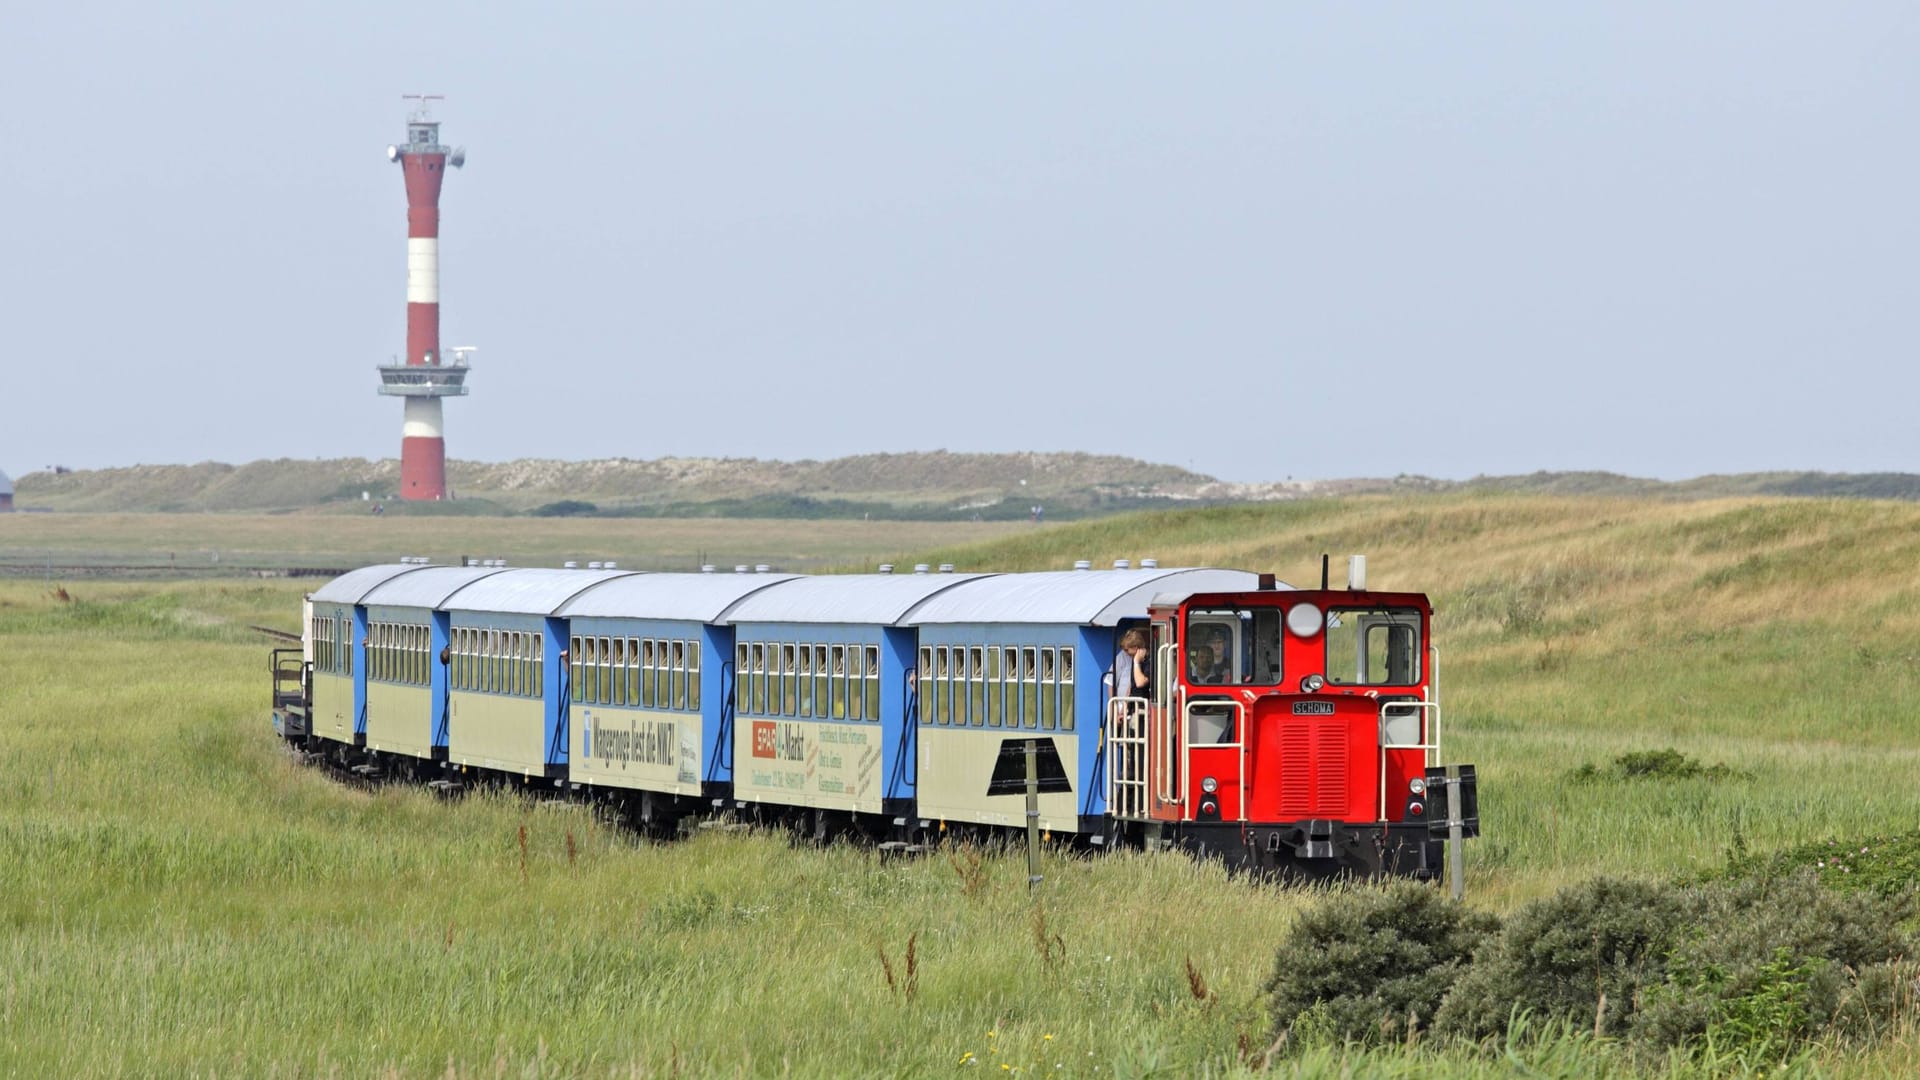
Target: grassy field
[[207, 543], [176, 897]]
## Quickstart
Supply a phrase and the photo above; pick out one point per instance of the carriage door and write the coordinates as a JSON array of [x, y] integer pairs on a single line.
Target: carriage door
[[1215, 655], [1164, 743]]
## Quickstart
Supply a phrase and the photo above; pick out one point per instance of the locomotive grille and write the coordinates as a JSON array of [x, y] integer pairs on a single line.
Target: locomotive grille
[[1313, 767]]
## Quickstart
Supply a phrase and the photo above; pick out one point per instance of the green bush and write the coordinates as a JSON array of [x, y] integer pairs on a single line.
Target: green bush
[[1768, 963], [1371, 965], [1558, 955], [1887, 865], [1667, 764]]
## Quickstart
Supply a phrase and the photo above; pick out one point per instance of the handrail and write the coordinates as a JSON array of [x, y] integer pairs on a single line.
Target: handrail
[[1239, 743], [1127, 737], [1428, 712]]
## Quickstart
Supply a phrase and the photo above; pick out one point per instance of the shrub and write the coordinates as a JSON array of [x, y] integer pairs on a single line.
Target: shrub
[[1667, 764], [567, 508], [1557, 957], [1887, 865], [1371, 965], [1771, 962]]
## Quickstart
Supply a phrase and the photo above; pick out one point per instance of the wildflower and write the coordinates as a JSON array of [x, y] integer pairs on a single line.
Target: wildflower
[[1048, 1038], [1863, 851], [1821, 865], [966, 1058]]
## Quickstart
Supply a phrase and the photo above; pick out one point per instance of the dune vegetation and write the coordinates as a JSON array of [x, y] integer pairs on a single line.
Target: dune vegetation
[[177, 896]]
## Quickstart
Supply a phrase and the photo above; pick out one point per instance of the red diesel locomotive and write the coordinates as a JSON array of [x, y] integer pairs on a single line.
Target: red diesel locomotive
[[1289, 730]]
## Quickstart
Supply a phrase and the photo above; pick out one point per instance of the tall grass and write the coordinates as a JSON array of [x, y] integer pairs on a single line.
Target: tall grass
[[176, 896]]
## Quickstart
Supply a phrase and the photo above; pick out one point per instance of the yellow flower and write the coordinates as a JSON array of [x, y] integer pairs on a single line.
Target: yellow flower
[[1048, 1038], [966, 1057]]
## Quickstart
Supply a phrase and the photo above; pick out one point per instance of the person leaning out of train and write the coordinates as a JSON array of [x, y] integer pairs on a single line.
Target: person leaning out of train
[[1140, 669]]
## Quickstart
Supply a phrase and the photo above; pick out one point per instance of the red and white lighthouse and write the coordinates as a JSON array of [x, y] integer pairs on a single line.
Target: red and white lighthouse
[[427, 376]]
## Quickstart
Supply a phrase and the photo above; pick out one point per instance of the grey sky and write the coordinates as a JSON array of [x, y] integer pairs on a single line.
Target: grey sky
[[1260, 240]]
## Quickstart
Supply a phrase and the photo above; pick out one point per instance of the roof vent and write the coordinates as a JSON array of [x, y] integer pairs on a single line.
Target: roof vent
[[1357, 573], [1149, 564], [706, 568], [593, 566], [611, 565], [886, 568], [570, 565], [1122, 564], [1083, 564], [762, 568], [946, 568], [742, 568], [921, 568]]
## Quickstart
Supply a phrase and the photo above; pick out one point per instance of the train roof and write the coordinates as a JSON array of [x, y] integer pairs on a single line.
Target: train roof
[[429, 587], [869, 599], [1072, 597], [702, 598], [352, 586], [528, 590]]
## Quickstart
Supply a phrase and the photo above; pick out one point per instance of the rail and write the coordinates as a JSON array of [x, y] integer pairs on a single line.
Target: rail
[[1237, 721], [1127, 757], [1411, 725]]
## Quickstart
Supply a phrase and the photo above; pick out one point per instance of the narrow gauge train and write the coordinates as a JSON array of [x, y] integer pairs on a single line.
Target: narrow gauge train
[[1285, 729]]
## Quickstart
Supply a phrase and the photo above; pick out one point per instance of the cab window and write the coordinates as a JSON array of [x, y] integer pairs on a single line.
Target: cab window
[[1227, 646], [1373, 646]]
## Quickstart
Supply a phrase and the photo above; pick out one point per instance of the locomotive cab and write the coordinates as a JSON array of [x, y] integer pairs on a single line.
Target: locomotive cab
[[1293, 730]]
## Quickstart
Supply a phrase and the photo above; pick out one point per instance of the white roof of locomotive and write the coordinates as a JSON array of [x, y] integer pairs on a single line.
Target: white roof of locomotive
[[528, 590], [429, 588], [353, 585], [702, 598], [1072, 597], [861, 599]]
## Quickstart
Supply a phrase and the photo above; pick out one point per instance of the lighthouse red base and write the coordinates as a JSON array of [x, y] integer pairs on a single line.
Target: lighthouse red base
[[423, 468]]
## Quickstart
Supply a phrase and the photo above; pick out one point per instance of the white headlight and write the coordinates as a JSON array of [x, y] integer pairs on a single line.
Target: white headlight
[[1312, 684], [1209, 785], [1417, 786], [1304, 620]]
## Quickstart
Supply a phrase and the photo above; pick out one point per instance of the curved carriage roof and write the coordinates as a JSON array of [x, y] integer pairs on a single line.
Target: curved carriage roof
[[429, 587], [528, 591], [351, 586], [1071, 597], [702, 598], [870, 599]]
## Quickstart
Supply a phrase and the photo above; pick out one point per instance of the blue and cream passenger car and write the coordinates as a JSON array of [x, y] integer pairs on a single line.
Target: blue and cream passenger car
[[337, 632], [821, 690], [507, 688], [649, 672], [409, 633]]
